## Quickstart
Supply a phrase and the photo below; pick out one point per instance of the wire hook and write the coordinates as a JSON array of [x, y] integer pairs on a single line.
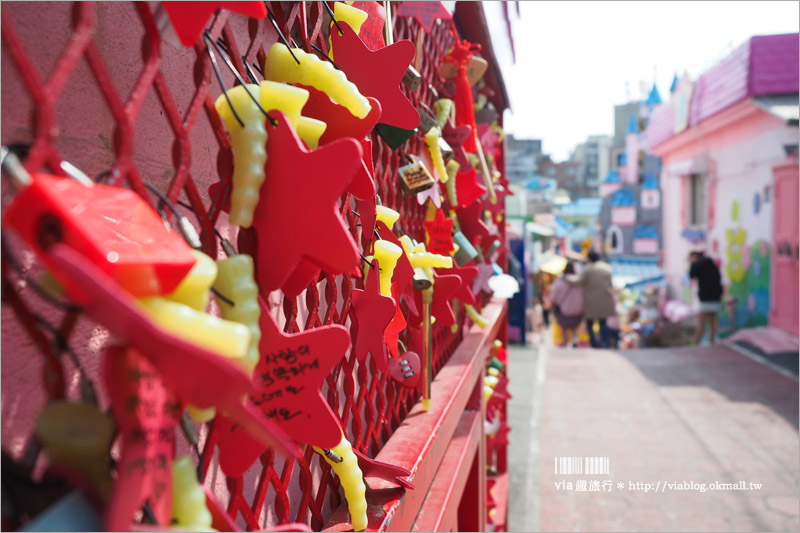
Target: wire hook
[[207, 39], [333, 18], [281, 36]]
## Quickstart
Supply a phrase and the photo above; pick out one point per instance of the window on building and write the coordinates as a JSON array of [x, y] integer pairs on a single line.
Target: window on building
[[551, 171], [614, 244], [697, 200]]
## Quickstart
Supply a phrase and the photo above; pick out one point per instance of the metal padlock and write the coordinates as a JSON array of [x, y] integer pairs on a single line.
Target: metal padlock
[[426, 121], [412, 79], [447, 151], [493, 248], [421, 281], [415, 178], [466, 252], [393, 136]]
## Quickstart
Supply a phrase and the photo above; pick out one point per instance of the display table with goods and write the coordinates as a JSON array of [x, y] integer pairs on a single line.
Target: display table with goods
[[253, 267]]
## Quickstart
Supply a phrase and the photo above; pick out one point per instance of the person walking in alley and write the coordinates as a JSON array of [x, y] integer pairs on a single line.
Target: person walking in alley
[[709, 292], [598, 297], [567, 302]]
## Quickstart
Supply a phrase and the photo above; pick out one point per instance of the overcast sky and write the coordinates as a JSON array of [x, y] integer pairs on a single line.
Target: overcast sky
[[574, 58]]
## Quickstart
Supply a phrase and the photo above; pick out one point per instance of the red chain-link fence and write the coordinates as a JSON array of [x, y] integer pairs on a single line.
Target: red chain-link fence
[[94, 84]]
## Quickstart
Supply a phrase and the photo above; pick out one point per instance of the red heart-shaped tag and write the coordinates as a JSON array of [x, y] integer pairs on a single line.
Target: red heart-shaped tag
[[405, 370]]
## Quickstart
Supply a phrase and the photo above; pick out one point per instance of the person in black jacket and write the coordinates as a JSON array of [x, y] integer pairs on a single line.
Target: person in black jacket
[[709, 291]]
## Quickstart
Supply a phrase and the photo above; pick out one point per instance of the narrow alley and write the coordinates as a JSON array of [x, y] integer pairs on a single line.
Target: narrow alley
[[671, 423]]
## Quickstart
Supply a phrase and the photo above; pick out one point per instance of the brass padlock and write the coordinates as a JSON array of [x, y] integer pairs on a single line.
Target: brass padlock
[[426, 121], [412, 79], [447, 151], [466, 252], [415, 178]]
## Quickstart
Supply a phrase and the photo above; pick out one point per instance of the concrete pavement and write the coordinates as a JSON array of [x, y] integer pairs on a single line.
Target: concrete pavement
[[673, 423]]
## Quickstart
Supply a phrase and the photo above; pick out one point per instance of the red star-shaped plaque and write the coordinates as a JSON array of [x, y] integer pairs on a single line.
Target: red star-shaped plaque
[[467, 275], [471, 221], [342, 124], [444, 290], [488, 138], [456, 136], [372, 313], [213, 381], [481, 282], [378, 74], [189, 18], [288, 381], [396, 326], [297, 215], [440, 234], [424, 12], [467, 187]]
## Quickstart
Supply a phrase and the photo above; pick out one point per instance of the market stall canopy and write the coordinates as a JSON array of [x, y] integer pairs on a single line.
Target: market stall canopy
[[635, 272], [540, 229]]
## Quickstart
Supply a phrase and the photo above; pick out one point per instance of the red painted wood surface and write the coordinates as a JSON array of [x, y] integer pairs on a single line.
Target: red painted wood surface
[[439, 511]]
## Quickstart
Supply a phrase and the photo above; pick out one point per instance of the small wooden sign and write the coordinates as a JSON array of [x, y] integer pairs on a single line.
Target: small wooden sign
[[475, 70], [415, 178]]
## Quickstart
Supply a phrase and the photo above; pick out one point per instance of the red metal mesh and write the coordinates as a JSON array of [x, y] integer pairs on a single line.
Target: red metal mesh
[[153, 113]]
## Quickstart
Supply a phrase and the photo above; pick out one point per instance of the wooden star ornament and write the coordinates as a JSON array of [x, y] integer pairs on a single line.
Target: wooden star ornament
[[440, 234], [470, 219], [297, 215], [378, 74], [372, 312], [467, 275], [288, 381], [467, 188], [456, 137], [444, 290]]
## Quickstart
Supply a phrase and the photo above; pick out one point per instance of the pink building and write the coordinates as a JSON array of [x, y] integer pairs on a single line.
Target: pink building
[[724, 141]]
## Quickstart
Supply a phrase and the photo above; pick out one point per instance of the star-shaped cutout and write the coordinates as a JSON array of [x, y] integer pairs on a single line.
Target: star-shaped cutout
[[106, 303], [456, 137], [372, 312], [425, 13], [467, 187], [440, 234], [396, 326], [444, 290], [342, 124], [470, 219], [298, 213], [288, 381], [378, 74], [488, 138], [189, 18], [467, 275], [481, 282]]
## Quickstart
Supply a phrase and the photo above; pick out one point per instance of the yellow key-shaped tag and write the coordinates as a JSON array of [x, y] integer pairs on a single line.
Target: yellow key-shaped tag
[[314, 72], [189, 507], [345, 463]]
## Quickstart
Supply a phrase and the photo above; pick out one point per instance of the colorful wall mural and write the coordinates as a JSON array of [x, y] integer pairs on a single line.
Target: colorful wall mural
[[747, 269]]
